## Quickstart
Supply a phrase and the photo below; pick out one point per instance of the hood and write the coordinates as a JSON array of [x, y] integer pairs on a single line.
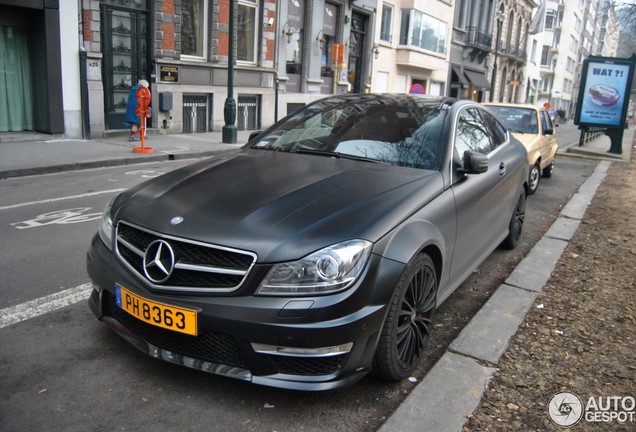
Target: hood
[[528, 140], [278, 205]]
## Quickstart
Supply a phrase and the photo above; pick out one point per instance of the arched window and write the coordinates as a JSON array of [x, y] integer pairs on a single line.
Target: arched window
[[502, 84], [511, 18]]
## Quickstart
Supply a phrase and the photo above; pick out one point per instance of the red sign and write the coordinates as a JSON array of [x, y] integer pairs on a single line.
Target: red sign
[[417, 89]]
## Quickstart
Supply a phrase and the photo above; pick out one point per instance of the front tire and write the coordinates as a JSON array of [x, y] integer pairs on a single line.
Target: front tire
[[409, 322], [534, 178], [515, 227]]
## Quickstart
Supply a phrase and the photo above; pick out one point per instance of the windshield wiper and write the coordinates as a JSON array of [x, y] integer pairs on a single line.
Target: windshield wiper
[[338, 155]]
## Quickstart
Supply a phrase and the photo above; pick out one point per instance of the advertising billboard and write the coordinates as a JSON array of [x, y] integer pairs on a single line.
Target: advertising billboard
[[604, 92]]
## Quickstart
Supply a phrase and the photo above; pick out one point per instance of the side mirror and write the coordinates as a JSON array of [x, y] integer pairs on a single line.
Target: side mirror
[[254, 135], [474, 162]]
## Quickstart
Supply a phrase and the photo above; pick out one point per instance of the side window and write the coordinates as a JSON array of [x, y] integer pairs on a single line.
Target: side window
[[546, 122], [498, 131], [472, 133]]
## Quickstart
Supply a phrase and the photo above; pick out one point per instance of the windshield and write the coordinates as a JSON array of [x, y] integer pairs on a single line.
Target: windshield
[[372, 130], [517, 119]]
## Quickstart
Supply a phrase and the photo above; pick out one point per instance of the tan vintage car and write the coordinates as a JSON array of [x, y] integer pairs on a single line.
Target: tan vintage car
[[532, 126]]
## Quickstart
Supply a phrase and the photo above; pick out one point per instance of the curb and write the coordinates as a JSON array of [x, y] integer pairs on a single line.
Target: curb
[[52, 169], [454, 386]]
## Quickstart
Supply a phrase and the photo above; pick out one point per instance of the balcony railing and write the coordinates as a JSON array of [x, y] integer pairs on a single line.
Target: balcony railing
[[478, 39], [513, 51]]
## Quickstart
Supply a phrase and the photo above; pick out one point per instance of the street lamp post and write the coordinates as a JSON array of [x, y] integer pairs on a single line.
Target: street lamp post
[[229, 110], [500, 17]]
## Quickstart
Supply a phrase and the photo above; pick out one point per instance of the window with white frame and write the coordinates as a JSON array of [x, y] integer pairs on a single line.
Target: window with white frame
[[550, 19], [387, 19], [545, 55], [436, 88], [577, 23], [573, 43], [247, 31], [423, 31], [193, 29]]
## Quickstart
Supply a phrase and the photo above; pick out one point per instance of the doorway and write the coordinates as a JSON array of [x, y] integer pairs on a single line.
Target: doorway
[[359, 25], [125, 58]]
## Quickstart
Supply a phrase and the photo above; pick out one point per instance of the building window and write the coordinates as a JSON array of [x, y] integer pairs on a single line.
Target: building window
[[545, 55], [193, 28], [327, 40], [573, 43], [436, 88], [246, 31], [550, 19], [422, 31], [533, 56], [294, 35], [387, 19], [460, 15]]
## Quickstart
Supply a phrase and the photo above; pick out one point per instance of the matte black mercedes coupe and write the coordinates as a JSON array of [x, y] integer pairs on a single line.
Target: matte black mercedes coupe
[[317, 252]]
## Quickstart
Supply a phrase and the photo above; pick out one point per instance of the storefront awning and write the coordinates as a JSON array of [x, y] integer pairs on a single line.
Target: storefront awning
[[458, 77], [478, 80]]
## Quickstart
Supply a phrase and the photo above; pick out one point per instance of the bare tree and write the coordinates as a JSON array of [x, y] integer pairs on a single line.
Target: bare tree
[[626, 13]]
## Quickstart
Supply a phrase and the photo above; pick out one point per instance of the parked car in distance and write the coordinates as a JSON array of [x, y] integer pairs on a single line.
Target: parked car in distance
[[532, 126], [320, 250]]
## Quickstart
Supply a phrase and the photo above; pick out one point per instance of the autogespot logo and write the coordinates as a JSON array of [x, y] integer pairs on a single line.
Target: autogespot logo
[[565, 409]]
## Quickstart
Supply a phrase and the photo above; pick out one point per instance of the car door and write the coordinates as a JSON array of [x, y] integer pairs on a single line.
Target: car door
[[482, 200], [548, 139]]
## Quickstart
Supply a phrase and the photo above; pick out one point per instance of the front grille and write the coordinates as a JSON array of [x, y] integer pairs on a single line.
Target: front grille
[[197, 267], [208, 346], [308, 366]]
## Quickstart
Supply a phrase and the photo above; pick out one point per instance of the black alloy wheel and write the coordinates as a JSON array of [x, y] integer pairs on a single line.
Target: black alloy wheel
[[515, 227], [409, 323]]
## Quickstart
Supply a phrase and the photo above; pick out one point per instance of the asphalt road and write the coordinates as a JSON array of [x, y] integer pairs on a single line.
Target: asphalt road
[[64, 370]]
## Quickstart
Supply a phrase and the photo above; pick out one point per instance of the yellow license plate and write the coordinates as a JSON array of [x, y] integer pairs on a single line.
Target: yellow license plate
[[158, 314]]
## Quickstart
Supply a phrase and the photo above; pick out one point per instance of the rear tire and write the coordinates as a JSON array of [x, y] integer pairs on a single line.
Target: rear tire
[[409, 322], [534, 178], [547, 171], [515, 227]]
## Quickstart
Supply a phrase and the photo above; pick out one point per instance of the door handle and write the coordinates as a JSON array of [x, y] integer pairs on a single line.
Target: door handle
[[502, 169]]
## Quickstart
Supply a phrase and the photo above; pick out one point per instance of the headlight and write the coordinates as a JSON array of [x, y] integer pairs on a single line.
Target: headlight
[[324, 272], [106, 226]]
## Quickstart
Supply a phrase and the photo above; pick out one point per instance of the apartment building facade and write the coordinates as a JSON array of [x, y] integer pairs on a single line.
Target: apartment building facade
[[411, 47]]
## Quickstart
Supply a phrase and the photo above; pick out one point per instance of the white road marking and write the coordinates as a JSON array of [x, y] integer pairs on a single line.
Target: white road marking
[[61, 199], [31, 309]]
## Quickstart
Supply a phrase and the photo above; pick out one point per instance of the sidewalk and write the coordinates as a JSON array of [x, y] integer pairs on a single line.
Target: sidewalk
[[598, 148], [31, 154]]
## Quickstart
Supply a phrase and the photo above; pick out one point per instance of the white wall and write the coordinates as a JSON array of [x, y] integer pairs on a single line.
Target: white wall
[[69, 42]]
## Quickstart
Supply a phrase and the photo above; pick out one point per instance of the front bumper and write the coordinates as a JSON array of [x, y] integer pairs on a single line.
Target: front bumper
[[323, 342]]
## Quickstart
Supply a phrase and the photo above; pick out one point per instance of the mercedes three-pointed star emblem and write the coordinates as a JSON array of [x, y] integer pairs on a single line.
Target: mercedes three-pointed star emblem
[[158, 261]]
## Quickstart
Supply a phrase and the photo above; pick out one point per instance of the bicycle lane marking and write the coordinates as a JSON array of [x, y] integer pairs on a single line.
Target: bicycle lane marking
[[40, 306], [50, 200]]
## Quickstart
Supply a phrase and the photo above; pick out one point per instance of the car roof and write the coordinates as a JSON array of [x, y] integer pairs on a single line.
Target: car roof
[[391, 99], [515, 105]]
